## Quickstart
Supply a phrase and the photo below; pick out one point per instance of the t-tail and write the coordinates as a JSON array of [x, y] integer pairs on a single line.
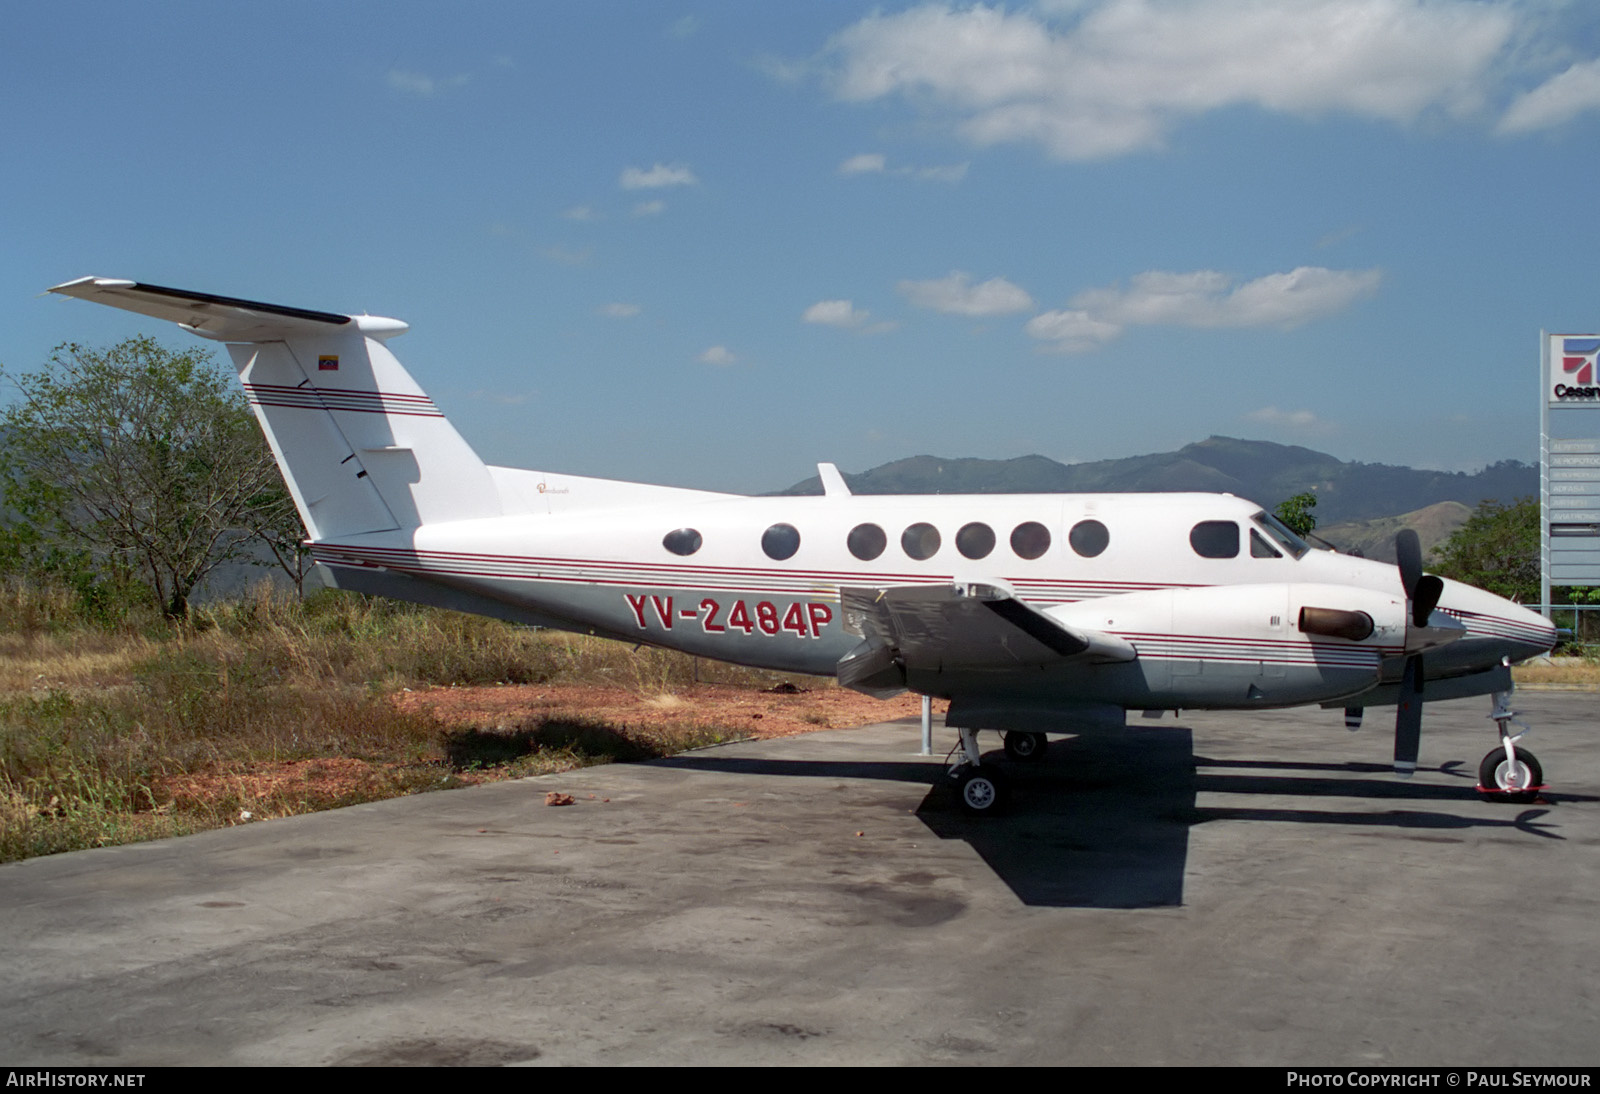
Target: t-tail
[[362, 447]]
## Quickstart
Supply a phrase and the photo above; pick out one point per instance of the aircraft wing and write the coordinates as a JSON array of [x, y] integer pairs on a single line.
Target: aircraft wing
[[939, 627], [220, 317]]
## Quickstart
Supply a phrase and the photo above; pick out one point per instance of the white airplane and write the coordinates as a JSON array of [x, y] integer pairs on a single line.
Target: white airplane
[[1031, 613]]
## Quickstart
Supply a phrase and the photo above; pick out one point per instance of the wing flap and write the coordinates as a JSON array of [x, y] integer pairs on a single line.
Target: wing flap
[[939, 627]]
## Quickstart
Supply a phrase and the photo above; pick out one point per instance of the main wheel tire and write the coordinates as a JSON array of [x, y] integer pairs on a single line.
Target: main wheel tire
[[1498, 782], [1025, 747], [982, 793]]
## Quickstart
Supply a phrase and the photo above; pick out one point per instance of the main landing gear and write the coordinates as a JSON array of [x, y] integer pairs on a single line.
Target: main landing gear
[[1025, 747], [1509, 773], [983, 791]]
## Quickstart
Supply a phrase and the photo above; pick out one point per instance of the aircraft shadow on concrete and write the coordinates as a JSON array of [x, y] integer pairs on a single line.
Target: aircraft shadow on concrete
[[1104, 821]]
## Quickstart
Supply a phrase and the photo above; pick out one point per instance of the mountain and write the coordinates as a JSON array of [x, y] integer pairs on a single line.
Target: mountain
[[1259, 470], [1375, 538]]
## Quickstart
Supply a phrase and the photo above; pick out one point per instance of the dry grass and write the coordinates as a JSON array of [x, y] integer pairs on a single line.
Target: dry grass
[[1560, 671], [265, 707]]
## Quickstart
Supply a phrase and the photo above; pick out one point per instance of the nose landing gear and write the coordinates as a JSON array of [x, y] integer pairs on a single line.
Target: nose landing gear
[[1508, 773]]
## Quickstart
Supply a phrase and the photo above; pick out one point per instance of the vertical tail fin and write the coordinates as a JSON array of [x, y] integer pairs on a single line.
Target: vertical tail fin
[[361, 446]]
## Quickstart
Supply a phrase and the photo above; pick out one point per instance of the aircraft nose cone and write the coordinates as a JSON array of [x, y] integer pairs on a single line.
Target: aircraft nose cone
[[1487, 616]]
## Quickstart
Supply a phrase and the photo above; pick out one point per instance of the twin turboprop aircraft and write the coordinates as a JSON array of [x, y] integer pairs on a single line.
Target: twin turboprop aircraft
[[1030, 613]]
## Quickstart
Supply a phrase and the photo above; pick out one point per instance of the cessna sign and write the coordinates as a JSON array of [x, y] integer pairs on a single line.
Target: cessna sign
[[1574, 379], [1569, 460]]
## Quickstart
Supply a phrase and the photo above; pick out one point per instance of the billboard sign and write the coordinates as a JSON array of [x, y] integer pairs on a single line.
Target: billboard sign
[[1570, 377], [1569, 460]]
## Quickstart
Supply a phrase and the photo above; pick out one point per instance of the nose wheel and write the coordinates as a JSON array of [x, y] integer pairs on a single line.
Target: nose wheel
[[1506, 780]]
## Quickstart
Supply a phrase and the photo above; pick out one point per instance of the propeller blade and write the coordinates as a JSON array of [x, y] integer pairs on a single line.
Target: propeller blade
[[1408, 553], [1408, 719], [1425, 599]]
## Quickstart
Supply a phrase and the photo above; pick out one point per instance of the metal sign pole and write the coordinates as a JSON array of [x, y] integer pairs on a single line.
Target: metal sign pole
[[1544, 473]]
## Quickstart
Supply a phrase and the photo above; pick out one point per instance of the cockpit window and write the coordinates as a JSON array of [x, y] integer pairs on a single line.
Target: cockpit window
[[1281, 534], [1215, 539], [1260, 548]]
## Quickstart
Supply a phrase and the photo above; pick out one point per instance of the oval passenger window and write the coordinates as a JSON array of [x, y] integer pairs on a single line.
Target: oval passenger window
[[780, 541], [866, 541], [684, 541], [1089, 538], [1030, 539], [920, 541], [975, 540]]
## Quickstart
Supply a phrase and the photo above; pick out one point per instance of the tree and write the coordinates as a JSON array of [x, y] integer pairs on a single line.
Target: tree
[[135, 463], [1297, 515], [1497, 549]]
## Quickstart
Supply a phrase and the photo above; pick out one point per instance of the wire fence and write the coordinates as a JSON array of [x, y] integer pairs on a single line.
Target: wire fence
[[1581, 621]]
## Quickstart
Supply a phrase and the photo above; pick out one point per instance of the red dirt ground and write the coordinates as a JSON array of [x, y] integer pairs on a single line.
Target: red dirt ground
[[760, 713], [276, 788]]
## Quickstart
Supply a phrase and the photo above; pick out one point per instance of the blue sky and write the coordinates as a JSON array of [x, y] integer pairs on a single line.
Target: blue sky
[[710, 244]]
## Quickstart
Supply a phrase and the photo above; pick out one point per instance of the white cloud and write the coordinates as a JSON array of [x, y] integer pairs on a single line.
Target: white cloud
[[1558, 100], [1104, 79], [876, 163], [1271, 415], [866, 163], [662, 174], [957, 295], [1202, 298], [952, 172], [620, 311], [782, 70], [417, 83], [836, 313], [1072, 331], [684, 27], [582, 212], [717, 355], [649, 208]]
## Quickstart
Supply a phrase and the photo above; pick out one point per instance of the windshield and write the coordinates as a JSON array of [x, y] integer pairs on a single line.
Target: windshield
[[1280, 532]]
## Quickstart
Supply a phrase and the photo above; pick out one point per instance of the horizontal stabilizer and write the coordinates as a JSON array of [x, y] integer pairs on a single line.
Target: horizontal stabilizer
[[223, 318]]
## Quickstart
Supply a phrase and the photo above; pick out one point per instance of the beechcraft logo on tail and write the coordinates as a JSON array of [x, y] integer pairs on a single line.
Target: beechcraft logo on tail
[[328, 362]]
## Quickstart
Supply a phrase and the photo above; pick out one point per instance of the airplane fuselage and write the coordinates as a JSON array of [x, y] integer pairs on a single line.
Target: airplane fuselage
[[1213, 630]]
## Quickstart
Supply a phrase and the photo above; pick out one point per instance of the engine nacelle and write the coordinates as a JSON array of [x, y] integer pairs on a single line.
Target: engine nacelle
[[1254, 645]]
